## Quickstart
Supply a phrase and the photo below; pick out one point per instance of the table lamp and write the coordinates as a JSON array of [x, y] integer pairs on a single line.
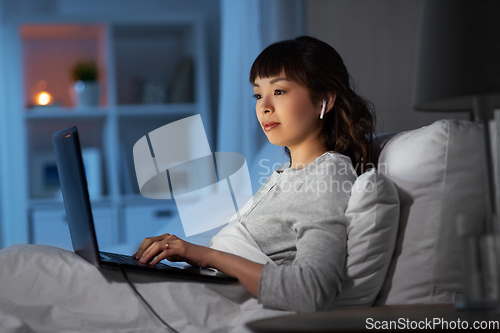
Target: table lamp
[[458, 69]]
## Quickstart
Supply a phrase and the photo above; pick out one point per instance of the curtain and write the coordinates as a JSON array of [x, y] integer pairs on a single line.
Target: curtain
[[241, 42], [247, 27]]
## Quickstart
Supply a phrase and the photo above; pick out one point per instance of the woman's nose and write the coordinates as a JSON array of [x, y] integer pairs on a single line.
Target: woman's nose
[[265, 106]]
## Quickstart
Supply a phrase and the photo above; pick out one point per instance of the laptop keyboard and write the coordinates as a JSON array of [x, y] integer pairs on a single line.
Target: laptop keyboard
[[127, 260]]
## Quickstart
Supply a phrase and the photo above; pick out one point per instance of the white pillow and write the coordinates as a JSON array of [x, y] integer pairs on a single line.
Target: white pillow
[[373, 215], [438, 171]]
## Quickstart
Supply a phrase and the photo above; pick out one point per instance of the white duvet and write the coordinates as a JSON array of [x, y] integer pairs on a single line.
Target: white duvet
[[46, 289]]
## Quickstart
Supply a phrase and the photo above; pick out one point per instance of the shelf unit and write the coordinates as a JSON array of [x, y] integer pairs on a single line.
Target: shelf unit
[[151, 73]]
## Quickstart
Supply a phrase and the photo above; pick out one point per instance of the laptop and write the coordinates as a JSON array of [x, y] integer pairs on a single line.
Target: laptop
[[81, 225]]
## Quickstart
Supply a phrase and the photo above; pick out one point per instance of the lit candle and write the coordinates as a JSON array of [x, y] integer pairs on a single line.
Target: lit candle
[[43, 98]]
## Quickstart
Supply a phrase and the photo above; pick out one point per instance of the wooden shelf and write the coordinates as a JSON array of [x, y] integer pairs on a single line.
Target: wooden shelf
[[132, 53], [48, 112]]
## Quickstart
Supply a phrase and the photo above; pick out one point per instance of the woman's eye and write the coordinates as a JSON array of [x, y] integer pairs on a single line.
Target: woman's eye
[[279, 92], [257, 96]]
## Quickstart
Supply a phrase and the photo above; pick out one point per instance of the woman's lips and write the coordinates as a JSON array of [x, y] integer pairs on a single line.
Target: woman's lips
[[269, 126]]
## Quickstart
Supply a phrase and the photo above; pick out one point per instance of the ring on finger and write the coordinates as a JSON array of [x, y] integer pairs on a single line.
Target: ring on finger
[[166, 245]]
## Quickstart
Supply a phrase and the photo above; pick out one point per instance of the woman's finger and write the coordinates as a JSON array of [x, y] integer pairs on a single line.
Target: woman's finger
[[153, 251], [169, 249], [146, 243], [162, 255], [153, 246], [147, 254]]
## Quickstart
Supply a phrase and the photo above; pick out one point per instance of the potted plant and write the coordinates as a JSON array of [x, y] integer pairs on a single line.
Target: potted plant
[[86, 90]]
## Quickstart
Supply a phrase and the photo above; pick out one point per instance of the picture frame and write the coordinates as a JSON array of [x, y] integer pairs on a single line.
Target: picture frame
[[43, 174], [45, 181]]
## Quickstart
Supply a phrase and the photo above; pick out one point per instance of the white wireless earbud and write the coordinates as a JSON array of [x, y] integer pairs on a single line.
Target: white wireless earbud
[[323, 109]]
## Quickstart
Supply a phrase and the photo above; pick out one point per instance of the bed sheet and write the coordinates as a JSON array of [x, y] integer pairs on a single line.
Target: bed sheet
[[47, 289]]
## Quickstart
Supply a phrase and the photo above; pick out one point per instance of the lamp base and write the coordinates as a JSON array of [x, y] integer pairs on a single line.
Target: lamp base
[[481, 272]]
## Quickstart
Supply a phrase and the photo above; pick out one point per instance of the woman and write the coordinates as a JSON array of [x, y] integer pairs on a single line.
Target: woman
[[304, 102]]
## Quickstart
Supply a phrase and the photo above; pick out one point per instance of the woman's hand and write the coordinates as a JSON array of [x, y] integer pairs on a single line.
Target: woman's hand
[[154, 249]]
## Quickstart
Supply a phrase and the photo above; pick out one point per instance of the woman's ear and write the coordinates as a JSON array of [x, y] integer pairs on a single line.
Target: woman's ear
[[330, 102], [327, 105]]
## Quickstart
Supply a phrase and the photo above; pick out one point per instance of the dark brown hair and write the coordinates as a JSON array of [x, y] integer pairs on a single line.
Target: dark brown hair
[[348, 127]]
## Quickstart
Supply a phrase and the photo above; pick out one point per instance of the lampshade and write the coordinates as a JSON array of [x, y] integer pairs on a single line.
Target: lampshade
[[458, 54]]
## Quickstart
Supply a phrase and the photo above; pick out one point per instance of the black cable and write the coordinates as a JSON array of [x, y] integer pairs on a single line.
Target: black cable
[[144, 301]]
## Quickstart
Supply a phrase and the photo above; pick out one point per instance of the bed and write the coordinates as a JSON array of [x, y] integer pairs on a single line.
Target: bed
[[397, 229], [47, 289]]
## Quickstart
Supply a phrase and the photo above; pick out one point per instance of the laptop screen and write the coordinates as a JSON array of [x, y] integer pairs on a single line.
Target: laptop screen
[[75, 194]]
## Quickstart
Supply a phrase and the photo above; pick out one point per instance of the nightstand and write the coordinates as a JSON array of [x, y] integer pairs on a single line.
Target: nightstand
[[421, 317]]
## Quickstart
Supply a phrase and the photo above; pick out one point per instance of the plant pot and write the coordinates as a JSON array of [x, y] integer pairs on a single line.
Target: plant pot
[[86, 93]]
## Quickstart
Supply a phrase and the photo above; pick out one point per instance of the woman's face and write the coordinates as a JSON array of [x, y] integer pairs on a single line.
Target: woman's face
[[286, 113]]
